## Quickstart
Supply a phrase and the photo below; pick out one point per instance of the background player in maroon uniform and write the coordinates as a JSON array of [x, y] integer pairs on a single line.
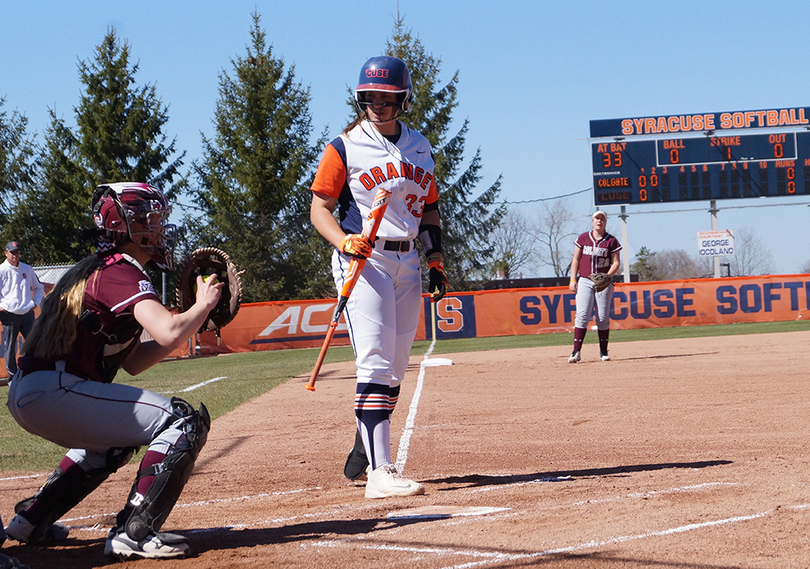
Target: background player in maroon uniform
[[595, 251], [89, 327]]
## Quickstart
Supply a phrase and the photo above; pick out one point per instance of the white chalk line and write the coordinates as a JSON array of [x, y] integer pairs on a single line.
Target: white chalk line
[[40, 475], [651, 493], [493, 557], [405, 439], [96, 527], [197, 386]]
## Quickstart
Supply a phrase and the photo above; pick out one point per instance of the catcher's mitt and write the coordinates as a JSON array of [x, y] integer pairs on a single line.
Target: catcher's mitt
[[600, 281], [208, 261]]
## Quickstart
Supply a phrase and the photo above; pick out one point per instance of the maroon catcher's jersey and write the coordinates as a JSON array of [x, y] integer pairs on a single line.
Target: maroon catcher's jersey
[[107, 329], [596, 254]]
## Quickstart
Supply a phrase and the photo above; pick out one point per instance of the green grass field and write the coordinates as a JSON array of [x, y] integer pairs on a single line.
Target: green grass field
[[247, 375]]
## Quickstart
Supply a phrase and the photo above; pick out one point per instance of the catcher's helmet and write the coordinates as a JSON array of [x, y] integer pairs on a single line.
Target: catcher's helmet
[[388, 74], [138, 213]]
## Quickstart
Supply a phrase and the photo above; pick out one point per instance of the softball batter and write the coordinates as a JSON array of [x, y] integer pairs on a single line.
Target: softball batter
[[383, 310], [595, 251], [90, 326]]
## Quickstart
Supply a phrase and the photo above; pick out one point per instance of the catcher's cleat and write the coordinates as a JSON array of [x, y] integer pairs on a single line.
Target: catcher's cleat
[[387, 482], [604, 356], [7, 562], [25, 532], [357, 461], [154, 546], [574, 357]]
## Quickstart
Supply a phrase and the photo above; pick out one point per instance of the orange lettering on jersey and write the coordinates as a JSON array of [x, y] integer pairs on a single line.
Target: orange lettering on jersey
[[367, 182], [417, 177], [407, 171], [377, 172], [449, 314], [426, 180], [422, 202], [392, 171]]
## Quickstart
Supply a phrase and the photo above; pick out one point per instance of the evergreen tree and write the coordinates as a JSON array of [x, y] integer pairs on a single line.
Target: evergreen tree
[[254, 177], [18, 163], [118, 138], [467, 221], [51, 214], [646, 266]]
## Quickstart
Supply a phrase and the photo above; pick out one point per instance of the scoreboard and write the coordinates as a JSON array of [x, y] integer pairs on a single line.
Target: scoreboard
[[684, 158]]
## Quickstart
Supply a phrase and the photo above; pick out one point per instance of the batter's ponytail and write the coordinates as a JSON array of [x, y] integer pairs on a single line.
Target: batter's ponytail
[[360, 118], [55, 330]]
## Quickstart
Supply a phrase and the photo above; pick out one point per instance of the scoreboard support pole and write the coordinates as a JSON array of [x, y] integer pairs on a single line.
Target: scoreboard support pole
[[626, 262], [713, 211]]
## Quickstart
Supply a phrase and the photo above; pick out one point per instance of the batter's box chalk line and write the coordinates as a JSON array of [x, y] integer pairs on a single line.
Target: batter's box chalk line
[[441, 512], [436, 362]]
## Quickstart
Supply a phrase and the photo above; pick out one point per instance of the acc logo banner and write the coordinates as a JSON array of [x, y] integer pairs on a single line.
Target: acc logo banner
[[298, 324], [455, 317]]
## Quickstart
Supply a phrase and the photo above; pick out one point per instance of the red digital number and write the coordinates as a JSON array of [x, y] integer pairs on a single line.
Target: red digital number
[[612, 160], [674, 156]]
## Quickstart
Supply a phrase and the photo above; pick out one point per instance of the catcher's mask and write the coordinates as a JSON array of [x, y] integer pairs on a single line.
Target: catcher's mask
[[387, 74], [138, 213]]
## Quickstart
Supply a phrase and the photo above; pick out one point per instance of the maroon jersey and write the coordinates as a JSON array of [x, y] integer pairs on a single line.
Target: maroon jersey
[[596, 254], [107, 330]]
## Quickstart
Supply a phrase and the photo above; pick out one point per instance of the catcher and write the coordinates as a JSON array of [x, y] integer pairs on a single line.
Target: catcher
[[90, 327], [596, 260]]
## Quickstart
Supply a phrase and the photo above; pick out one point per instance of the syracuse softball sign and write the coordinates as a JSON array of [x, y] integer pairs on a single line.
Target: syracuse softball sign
[[715, 243]]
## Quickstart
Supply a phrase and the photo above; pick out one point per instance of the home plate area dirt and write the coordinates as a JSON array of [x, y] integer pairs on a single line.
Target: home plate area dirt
[[679, 453]]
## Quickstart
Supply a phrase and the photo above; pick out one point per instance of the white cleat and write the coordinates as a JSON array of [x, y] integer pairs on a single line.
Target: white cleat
[[574, 357], [604, 357], [24, 531], [155, 546], [387, 482]]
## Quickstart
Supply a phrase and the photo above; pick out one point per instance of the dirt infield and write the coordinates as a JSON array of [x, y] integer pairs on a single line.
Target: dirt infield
[[681, 454]]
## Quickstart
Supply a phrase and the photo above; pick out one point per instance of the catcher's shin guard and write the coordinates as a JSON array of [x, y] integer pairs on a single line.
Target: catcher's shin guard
[[62, 492], [170, 477]]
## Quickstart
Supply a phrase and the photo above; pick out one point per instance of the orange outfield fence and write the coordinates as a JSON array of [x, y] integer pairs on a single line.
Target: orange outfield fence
[[691, 302]]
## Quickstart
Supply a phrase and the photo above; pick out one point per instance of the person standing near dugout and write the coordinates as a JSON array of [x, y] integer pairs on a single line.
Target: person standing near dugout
[[89, 327], [382, 312], [20, 293], [595, 252]]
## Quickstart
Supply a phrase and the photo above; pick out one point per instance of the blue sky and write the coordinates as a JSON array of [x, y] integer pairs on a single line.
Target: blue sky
[[532, 76]]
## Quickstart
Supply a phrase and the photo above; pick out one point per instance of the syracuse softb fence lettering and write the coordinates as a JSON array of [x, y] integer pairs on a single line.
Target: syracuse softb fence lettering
[[300, 324]]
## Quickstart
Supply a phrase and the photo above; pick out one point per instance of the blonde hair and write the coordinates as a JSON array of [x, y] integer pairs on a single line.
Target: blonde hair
[[54, 331]]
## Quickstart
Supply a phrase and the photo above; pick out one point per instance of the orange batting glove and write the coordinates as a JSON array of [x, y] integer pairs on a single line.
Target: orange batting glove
[[356, 245]]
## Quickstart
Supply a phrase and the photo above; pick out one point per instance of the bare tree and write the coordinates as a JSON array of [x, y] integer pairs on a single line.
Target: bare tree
[[554, 235], [512, 243], [805, 268], [751, 256], [673, 264]]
